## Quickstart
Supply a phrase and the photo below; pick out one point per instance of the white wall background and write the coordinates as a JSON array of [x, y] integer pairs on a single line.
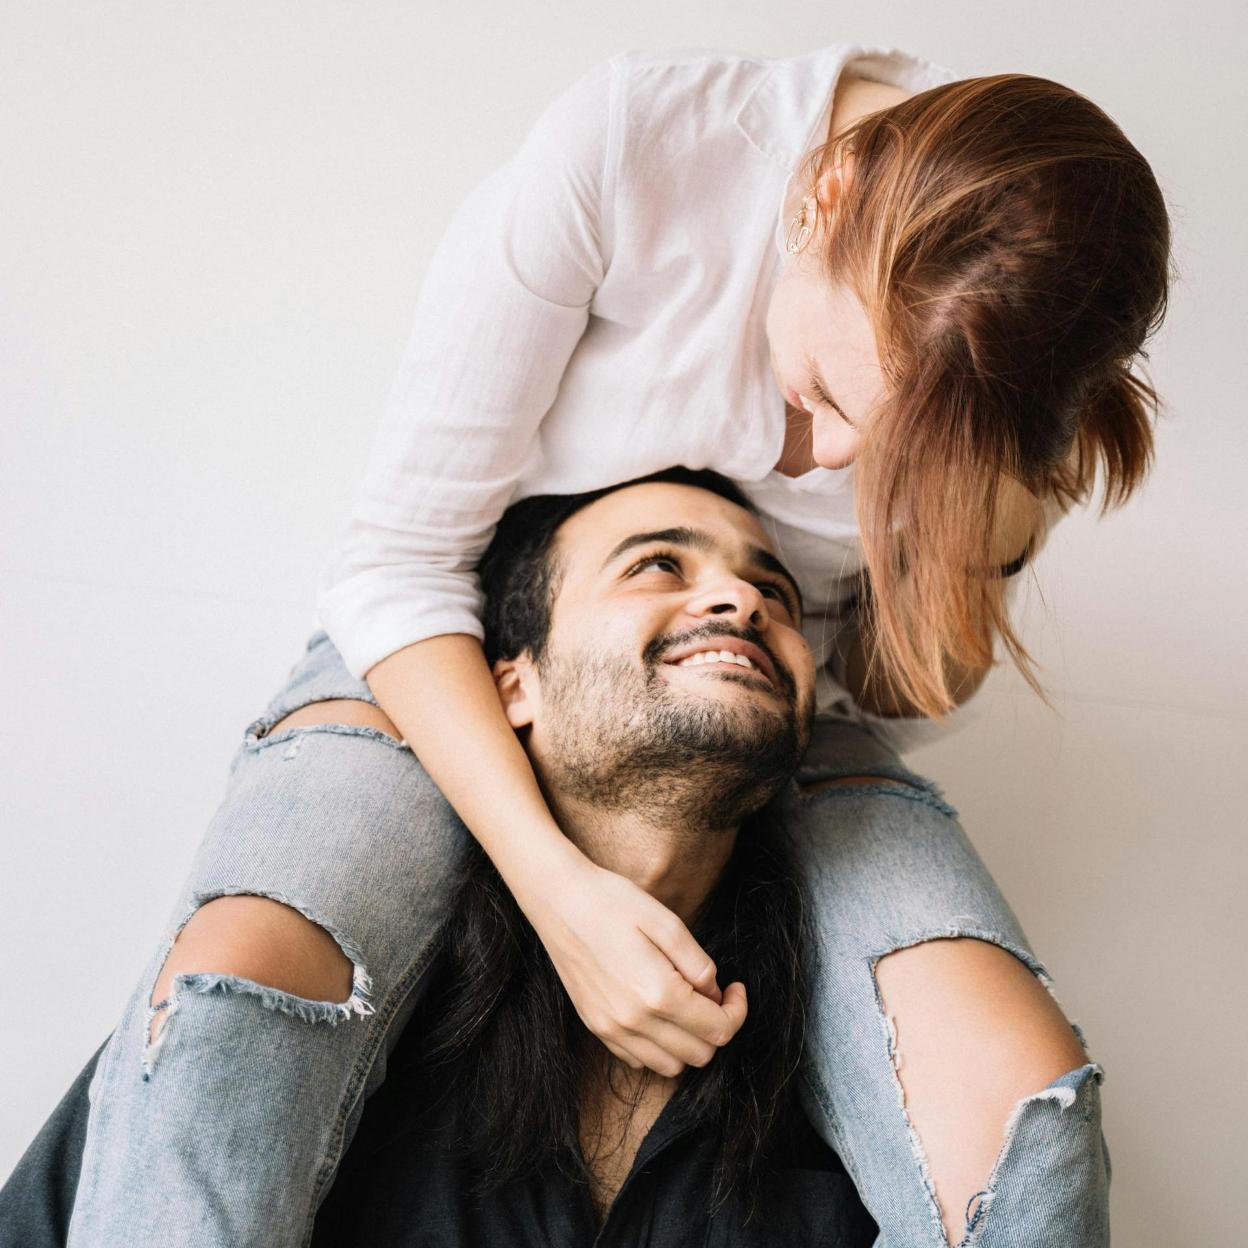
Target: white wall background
[[214, 221]]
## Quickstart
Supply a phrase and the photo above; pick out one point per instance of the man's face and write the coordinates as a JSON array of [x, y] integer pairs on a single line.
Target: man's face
[[674, 645]]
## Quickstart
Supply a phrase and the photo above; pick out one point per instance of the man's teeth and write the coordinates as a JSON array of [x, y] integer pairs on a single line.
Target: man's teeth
[[715, 656]]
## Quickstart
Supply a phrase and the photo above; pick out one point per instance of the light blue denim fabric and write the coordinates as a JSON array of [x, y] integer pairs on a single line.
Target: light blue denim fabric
[[888, 867], [229, 1130]]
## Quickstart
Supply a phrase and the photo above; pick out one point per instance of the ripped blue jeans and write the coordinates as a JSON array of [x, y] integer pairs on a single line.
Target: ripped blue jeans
[[229, 1128]]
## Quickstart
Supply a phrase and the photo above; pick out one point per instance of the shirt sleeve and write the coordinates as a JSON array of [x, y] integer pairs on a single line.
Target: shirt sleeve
[[504, 302]]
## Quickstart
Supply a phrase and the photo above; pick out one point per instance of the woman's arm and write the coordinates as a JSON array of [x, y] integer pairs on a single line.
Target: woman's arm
[[638, 979], [503, 305]]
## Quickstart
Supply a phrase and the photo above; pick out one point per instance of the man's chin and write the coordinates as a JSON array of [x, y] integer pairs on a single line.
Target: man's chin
[[738, 711]]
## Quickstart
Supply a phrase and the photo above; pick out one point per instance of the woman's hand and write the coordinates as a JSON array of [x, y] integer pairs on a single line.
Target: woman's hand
[[637, 978]]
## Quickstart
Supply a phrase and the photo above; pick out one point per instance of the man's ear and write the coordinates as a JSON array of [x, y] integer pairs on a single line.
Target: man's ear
[[519, 689]]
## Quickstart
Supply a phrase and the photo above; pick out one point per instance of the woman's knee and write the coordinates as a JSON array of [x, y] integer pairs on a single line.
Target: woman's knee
[[966, 995], [257, 939], [351, 711], [973, 1034]]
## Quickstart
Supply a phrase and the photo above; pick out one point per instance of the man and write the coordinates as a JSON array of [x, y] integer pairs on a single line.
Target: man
[[645, 644], [646, 647]]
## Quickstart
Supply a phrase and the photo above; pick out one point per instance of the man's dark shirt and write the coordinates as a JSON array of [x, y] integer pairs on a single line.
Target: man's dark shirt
[[400, 1186]]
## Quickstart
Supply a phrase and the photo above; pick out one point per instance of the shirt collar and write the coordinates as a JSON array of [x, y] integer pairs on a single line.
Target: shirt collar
[[674, 1121], [788, 103]]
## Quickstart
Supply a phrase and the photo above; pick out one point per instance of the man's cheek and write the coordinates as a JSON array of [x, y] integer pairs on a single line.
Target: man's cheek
[[804, 672]]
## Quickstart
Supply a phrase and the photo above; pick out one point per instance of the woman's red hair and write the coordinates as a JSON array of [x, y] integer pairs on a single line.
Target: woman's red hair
[[1013, 251]]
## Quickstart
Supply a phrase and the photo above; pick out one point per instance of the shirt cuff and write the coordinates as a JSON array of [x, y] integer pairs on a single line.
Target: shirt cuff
[[370, 618]]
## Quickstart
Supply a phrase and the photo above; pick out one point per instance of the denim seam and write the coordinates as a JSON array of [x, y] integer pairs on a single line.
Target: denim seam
[[923, 797], [383, 1016], [814, 1081], [819, 1088], [874, 767]]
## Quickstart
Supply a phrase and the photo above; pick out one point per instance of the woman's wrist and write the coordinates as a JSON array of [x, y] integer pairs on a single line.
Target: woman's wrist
[[539, 858]]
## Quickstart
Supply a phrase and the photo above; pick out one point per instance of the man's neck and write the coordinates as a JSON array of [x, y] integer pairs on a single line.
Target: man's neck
[[675, 862]]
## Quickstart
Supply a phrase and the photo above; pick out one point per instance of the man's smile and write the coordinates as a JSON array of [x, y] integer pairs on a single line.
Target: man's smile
[[723, 653]]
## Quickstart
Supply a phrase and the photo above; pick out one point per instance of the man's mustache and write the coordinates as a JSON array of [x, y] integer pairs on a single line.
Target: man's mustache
[[654, 652]]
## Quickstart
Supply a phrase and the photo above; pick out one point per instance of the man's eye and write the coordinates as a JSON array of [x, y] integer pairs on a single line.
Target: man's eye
[[778, 593], [664, 563]]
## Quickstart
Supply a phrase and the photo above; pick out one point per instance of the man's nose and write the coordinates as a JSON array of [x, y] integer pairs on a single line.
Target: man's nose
[[732, 599]]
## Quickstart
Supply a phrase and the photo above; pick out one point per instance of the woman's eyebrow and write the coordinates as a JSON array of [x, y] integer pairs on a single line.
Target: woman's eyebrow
[[827, 394]]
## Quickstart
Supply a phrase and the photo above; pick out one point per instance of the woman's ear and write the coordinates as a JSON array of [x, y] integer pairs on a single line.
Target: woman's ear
[[833, 183], [519, 689]]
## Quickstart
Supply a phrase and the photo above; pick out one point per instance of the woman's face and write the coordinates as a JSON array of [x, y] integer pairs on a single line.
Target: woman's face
[[824, 357]]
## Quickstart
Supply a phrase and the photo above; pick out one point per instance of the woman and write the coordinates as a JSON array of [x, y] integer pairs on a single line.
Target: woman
[[900, 310]]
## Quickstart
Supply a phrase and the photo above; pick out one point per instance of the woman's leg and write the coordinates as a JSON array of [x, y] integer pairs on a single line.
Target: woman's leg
[[237, 1074], [961, 1099]]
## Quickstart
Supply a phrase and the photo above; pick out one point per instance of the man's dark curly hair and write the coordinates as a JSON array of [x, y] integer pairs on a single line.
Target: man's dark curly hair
[[519, 574]]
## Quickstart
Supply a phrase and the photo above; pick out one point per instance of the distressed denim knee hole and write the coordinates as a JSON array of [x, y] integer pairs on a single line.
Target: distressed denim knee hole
[[160, 1013], [1067, 1090]]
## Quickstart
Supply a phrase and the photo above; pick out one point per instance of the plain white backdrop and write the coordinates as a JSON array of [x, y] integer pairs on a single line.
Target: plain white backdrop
[[213, 223]]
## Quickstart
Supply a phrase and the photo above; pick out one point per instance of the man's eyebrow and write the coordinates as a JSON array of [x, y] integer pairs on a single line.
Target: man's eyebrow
[[682, 536], [698, 540], [825, 392]]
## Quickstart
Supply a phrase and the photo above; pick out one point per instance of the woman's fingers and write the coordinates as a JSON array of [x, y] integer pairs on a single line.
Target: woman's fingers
[[692, 1049], [661, 1012], [673, 940], [675, 1002], [702, 1019], [736, 1005], [638, 979], [619, 1052], [647, 1053], [681, 1046]]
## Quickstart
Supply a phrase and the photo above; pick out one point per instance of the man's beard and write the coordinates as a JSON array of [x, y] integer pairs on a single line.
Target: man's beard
[[622, 739]]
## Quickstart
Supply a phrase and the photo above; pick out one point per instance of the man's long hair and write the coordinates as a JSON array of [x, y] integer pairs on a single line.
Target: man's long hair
[[508, 1040]]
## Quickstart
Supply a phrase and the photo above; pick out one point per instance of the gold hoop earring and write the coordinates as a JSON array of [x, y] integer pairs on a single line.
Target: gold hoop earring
[[802, 227]]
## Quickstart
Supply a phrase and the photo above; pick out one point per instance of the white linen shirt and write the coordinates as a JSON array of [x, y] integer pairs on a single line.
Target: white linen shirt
[[595, 312]]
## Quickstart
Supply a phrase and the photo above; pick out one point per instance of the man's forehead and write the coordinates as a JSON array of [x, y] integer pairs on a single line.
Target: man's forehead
[[588, 537]]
